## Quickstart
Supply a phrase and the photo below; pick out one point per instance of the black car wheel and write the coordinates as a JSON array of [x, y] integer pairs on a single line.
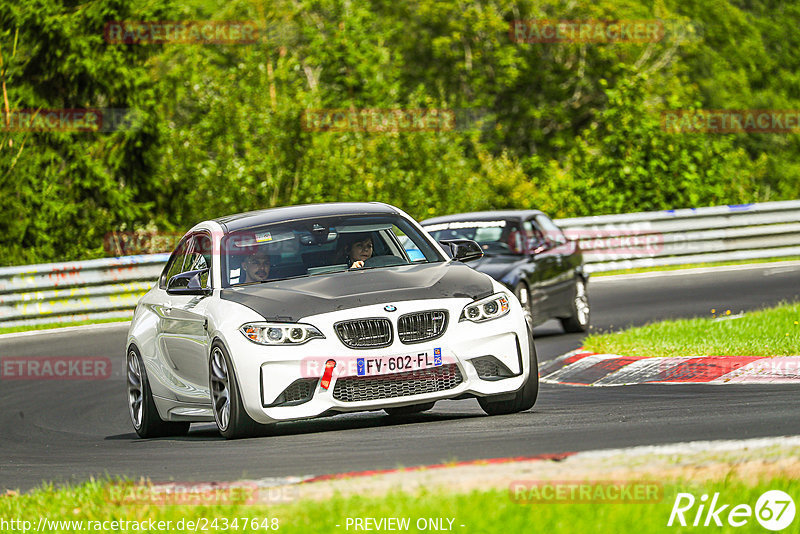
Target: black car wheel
[[578, 321], [226, 400], [142, 407], [524, 398], [409, 410]]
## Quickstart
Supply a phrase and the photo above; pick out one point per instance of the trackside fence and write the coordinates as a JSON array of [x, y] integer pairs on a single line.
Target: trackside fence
[[109, 288], [678, 237], [76, 291]]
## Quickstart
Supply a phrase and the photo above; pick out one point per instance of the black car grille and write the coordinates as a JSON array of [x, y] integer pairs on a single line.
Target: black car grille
[[365, 333], [421, 326], [365, 388]]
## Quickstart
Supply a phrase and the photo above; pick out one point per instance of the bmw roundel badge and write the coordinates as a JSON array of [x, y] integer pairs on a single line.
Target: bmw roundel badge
[[390, 308]]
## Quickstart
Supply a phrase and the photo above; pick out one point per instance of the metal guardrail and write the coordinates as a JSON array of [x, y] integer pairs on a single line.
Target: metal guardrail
[[678, 237], [76, 291], [110, 288]]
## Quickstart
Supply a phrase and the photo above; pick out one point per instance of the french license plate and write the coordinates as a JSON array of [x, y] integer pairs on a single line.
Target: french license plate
[[399, 364]]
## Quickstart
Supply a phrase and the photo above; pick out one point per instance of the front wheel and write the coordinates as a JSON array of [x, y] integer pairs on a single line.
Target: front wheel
[[226, 399], [578, 321], [525, 397], [141, 406]]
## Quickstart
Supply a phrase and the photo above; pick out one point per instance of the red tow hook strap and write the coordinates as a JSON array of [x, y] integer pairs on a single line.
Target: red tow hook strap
[[326, 376]]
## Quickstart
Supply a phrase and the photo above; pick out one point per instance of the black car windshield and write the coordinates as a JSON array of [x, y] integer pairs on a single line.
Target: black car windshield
[[323, 245], [494, 236]]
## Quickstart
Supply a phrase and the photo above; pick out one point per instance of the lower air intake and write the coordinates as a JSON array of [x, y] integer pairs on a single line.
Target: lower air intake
[[298, 392], [490, 368], [366, 388]]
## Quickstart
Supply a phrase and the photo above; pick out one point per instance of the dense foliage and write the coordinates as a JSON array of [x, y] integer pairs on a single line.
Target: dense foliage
[[570, 128]]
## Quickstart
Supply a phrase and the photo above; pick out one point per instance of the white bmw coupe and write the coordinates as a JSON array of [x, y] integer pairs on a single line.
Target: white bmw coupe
[[305, 311]]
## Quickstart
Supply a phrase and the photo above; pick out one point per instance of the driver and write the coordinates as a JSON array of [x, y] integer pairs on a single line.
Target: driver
[[356, 249], [256, 266]]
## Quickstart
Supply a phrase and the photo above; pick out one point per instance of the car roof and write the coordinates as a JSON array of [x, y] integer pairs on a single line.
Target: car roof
[[239, 221], [483, 216]]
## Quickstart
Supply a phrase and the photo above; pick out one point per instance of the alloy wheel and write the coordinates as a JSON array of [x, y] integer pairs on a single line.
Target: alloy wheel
[[220, 389], [581, 302], [135, 389]]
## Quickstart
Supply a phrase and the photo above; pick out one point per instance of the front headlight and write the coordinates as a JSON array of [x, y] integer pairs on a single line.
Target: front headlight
[[280, 333], [486, 309]]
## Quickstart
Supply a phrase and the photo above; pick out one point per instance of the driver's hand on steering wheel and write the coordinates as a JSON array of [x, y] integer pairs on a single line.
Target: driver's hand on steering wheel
[[357, 264]]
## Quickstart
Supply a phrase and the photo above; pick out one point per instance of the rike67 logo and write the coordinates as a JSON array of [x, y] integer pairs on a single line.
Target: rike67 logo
[[774, 510]]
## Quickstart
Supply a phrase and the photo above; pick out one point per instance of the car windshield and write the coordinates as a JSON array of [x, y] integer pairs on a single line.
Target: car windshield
[[320, 246], [494, 237]]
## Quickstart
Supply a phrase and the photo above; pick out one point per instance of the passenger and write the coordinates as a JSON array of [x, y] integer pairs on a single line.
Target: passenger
[[355, 249], [256, 266]]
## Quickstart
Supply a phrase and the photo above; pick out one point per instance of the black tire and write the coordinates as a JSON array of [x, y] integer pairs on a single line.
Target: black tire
[[523, 294], [524, 398], [141, 406], [580, 314], [237, 424], [409, 410]]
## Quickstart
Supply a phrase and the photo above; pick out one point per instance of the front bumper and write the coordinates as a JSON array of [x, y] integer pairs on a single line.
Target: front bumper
[[274, 380]]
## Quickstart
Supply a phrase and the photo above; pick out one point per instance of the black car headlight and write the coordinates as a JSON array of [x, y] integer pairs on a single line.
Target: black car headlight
[[486, 309], [280, 333]]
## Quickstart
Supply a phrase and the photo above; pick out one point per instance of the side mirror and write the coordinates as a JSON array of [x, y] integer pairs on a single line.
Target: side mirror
[[463, 249], [187, 283], [539, 247]]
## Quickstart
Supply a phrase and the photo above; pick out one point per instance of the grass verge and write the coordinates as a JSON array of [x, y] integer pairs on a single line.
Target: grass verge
[[488, 511], [694, 266], [769, 332], [48, 326]]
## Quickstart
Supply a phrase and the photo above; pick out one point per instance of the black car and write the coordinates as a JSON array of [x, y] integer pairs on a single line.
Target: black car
[[530, 255]]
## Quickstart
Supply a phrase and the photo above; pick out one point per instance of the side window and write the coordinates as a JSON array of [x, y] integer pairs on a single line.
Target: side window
[[199, 257], [551, 231], [515, 240], [412, 251], [175, 263], [533, 236]]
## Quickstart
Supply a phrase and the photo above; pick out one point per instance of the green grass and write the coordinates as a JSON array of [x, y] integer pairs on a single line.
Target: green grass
[[694, 266], [487, 511], [768, 332], [12, 329]]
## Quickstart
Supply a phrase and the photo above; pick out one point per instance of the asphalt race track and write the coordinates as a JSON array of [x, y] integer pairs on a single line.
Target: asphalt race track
[[70, 430]]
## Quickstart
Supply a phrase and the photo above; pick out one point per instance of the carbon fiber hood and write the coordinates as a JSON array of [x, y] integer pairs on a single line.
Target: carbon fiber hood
[[497, 266], [291, 300]]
